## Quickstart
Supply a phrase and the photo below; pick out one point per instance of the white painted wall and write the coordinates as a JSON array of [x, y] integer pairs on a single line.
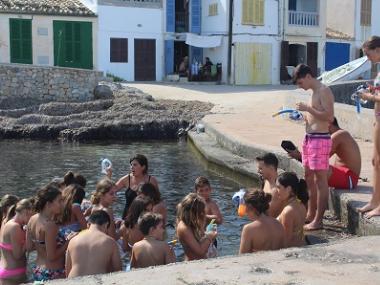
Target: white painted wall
[[91, 4], [215, 24], [341, 16], [132, 23], [375, 17], [42, 45]]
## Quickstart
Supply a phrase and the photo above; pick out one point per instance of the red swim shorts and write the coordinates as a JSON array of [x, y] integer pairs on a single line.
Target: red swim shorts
[[342, 178], [316, 149]]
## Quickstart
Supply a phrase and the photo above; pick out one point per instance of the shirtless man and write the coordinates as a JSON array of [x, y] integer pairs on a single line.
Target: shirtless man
[[152, 250], [203, 189], [345, 172], [317, 143], [93, 251], [267, 165]]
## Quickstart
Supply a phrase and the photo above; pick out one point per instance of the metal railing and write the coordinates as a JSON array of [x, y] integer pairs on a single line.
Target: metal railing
[[301, 18]]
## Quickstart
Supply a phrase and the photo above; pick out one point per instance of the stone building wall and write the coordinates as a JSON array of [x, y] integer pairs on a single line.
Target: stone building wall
[[47, 83]]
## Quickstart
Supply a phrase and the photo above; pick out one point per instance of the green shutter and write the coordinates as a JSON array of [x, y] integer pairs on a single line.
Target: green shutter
[[20, 32], [73, 44]]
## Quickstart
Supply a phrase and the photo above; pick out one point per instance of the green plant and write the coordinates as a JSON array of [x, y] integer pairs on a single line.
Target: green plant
[[114, 77]]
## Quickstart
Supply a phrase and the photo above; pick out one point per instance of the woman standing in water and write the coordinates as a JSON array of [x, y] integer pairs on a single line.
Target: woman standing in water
[[139, 175], [293, 192], [43, 235], [191, 220], [12, 244], [371, 49], [264, 232]]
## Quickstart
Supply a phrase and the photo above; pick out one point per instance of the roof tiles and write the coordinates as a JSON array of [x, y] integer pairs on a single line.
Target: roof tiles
[[45, 7]]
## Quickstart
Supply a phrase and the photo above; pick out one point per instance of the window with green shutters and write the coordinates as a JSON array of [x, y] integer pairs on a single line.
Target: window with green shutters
[[20, 33], [73, 44]]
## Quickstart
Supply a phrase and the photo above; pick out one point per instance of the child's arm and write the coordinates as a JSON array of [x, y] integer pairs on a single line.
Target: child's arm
[[68, 264], [79, 216], [116, 260], [245, 243], [198, 248], [327, 102], [169, 255]]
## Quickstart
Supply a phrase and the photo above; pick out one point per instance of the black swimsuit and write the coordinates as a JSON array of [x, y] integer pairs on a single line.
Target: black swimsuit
[[130, 195]]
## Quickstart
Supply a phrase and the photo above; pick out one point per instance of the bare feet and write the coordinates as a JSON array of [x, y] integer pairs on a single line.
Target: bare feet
[[367, 207], [313, 226], [373, 213], [309, 218]]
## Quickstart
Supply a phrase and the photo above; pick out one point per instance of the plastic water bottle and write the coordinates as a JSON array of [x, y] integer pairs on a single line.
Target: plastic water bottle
[[242, 209], [356, 95], [105, 164], [212, 226]]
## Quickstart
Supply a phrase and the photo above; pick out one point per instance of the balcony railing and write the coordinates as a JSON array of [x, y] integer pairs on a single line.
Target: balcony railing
[[133, 3], [300, 18], [181, 22]]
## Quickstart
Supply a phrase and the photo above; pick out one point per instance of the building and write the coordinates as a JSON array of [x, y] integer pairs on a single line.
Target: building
[[130, 38], [304, 35], [53, 33]]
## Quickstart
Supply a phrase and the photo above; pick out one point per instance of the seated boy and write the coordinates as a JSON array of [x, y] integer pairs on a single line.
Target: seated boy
[[203, 189], [152, 250], [93, 251]]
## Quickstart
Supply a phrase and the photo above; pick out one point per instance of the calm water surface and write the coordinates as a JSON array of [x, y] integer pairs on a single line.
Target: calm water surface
[[27, 165]]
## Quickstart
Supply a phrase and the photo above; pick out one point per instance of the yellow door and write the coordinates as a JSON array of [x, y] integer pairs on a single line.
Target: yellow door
[[253, 64]]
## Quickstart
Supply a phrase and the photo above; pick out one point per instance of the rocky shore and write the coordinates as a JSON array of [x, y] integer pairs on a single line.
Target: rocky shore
[[126, 113]]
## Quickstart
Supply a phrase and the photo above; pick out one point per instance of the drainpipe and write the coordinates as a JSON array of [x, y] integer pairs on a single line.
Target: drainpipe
[[230, 20]]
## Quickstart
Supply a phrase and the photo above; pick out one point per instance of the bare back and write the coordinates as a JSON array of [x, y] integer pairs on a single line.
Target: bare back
[[321, 100], [265, 233], [275, 205], [347, 151], [92, 252], [151, 252]]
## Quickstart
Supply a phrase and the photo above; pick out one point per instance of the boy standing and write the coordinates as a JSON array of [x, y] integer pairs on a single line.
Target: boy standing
[[317, 143], [152, 250], [203, 189], [92, 251]]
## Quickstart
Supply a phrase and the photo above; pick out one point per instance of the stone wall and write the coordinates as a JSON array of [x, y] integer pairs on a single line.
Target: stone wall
[[47, 83]]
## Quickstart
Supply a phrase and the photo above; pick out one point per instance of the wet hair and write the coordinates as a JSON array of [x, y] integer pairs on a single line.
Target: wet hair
[[191, 211], [335, 122], [298, 186], [258, 199], [301, 71], [200, 182], [372, 43], [47, 194], [99, 218], [73, 193], [137, 207], [269, 159], [142, 160], [74, 178], [102, 187], [149, 190], [6, 202], [24, 204], [148, 221]]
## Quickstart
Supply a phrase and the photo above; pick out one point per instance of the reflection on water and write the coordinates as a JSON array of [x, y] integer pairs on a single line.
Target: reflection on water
[[27, 165]]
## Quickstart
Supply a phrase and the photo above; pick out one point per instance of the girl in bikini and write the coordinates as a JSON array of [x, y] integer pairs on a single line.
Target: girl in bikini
[[139, 175], [371, 49], [12, 244], [44, 236], [6, 202], [191, 222], [159, 207], [293, 192]]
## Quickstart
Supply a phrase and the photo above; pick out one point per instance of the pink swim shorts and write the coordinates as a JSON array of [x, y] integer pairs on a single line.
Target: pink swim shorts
[[316, 149]]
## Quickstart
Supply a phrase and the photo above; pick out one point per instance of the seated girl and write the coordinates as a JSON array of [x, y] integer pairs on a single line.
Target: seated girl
[[12, 244], [293, 192], [264, 232], [191, 220], [130, 231]]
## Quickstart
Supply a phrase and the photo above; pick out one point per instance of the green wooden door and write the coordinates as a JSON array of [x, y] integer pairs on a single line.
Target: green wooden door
[[20, 33], [73, 44]]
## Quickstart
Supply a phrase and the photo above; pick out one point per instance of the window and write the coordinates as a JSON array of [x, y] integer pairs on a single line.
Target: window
[[20, 32], [213, 9], [253, 12], [118, 50], [365, 13]]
